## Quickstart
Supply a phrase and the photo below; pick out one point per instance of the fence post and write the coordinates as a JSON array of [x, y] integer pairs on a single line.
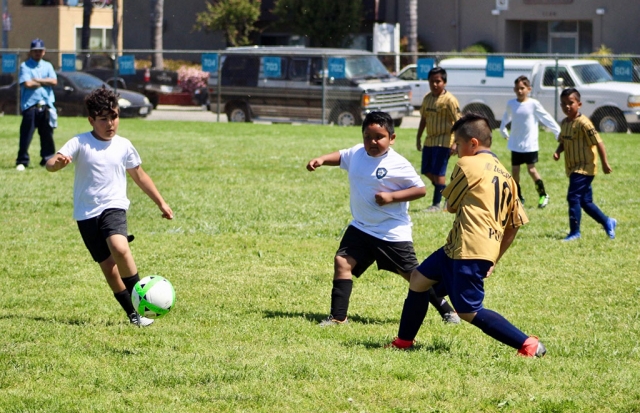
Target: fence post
[[555, 82], [17, 77], [218, 89], [325, 74]]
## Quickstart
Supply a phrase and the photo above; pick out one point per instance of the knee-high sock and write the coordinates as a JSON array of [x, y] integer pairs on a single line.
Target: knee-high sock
[[437, 194], [413, 312], [124, 298], [439, 303], [496, 326], [340, 294]]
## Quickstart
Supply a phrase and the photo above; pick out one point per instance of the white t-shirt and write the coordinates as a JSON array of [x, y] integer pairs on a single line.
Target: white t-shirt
[[524, 118], [101, 173], [369, 175]]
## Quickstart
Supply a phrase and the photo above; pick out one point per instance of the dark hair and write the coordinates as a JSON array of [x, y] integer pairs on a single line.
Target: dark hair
[[101, 100], [438, 71], [524, 80], [379, 118], [570, 91], [473, 125]]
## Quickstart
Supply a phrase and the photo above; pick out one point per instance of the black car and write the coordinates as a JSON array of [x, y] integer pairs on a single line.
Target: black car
[[70, 91]]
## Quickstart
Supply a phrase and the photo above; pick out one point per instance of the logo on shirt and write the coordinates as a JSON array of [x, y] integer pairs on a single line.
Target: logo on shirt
[[381, 173]]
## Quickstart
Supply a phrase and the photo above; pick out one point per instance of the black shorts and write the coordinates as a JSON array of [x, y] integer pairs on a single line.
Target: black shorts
[[365, 249], [96, 230], [518, 158]]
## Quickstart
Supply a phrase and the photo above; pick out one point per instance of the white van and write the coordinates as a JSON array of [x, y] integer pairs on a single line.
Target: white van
[[297, 95]]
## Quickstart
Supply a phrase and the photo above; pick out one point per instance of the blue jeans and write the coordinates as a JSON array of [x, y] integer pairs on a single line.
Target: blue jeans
[[33, 118], [580, 196]]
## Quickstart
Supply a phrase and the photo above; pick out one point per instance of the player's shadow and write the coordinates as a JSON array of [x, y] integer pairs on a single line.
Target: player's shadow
[[317, 317], [75, 321]]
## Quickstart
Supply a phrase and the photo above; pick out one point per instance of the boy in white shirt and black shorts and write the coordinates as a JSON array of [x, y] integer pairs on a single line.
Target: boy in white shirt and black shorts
[[382, 182], [100, 202]]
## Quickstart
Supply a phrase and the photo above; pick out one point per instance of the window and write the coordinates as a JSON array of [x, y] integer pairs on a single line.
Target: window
[[99, 38], [298, 69], [569, 37], [549, 78]]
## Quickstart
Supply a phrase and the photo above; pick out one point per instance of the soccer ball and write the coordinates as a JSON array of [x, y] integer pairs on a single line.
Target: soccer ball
[[153, 296]]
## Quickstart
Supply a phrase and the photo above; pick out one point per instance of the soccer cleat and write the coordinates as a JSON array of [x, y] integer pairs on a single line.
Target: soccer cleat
[[20, 167], [433, 208], [544, 201], [532, 347], [451, 318], [330, 321], [401, 344], [135, 319], [572, 237], [610, 227]]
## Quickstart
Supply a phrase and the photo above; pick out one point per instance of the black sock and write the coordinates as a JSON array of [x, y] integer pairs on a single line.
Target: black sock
[[340, 294], [540, 188], [519, 190], [439, 303], [413, 312], [437, 194], [130, 282], [496, 326], [124, 298]]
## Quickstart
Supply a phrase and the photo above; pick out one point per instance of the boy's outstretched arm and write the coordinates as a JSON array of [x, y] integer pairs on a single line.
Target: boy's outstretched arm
[[507, 239], [404, 195], [606, 168], [331, 159], [145, 183], [57, 162]]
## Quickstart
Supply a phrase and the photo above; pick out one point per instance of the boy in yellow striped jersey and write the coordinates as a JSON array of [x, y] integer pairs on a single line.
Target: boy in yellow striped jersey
[[580, 143], [439, 111], [483, 195]]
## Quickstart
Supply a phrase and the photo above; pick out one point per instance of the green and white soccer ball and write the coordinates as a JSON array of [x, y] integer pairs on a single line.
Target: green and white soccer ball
[[153, 296]]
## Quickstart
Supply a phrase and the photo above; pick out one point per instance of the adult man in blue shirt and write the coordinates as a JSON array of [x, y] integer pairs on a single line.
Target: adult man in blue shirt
[[37, 77]]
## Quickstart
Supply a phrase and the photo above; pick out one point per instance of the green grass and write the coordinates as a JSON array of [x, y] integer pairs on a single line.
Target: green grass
[[250, 255]]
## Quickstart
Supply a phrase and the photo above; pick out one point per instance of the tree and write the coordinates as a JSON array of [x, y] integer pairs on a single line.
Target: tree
[[236, 18], [327, 23], [411, 24], [157, 18]]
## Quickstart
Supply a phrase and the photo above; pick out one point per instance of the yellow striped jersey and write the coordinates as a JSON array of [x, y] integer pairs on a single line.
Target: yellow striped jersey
[[579, 139], [440, 114], [485, 199]]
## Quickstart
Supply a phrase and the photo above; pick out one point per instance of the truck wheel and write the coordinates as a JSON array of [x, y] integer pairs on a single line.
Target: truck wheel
[[610, 120], [483, 110], [346, 117], [238, 113]]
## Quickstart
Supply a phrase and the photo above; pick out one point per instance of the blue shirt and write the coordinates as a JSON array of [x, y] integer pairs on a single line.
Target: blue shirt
[[36, 70]]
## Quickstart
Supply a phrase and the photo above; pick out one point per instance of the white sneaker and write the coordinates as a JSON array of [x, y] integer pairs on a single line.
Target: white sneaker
[[135, 319], [20, 167]]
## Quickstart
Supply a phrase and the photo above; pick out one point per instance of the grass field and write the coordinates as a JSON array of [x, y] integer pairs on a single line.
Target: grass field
[[250, 255]]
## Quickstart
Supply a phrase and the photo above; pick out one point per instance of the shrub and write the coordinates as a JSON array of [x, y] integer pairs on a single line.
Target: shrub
[[191, 78]]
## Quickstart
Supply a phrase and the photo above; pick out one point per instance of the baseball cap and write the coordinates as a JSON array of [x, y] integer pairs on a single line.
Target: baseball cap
[[37, 44]]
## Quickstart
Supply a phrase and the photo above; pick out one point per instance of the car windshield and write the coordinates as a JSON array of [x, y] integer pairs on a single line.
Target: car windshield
[[85, 81], [365, 67], [592, 73]]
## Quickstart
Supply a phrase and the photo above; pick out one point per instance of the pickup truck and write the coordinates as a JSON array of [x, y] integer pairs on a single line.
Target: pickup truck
[[149, 82], [611, 106]]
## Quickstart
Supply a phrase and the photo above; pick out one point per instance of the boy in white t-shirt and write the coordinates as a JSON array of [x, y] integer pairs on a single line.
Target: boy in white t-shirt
[[100, 202], [524, 113], [382, 182]]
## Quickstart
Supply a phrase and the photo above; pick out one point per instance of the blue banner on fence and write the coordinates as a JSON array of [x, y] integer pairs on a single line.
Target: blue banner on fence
[[423, 67], [9, 63], [126, 65], [337, 67], [210, 62], [622, 70], [495, 66], [272, 66], [69, 62]]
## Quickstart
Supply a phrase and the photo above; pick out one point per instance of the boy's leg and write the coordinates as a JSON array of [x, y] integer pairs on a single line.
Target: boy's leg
[[27, 127], [609, 224], [577, 188], [121, 253], [342, 287], [447, 312], [47, 145]]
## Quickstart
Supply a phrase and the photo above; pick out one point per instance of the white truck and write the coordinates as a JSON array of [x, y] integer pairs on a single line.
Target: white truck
[[611, 106]]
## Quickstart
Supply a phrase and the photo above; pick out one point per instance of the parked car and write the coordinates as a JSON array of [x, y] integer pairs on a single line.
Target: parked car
[[295, 94], [70, 92], [419, 88], [149, 82]]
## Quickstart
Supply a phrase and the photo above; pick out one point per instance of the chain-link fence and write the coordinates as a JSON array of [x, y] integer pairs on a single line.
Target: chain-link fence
[[284, 84]]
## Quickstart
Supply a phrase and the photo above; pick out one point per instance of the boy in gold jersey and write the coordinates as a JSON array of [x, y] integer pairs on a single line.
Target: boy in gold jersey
[[439, 111], [483, 195], [580, 143]]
